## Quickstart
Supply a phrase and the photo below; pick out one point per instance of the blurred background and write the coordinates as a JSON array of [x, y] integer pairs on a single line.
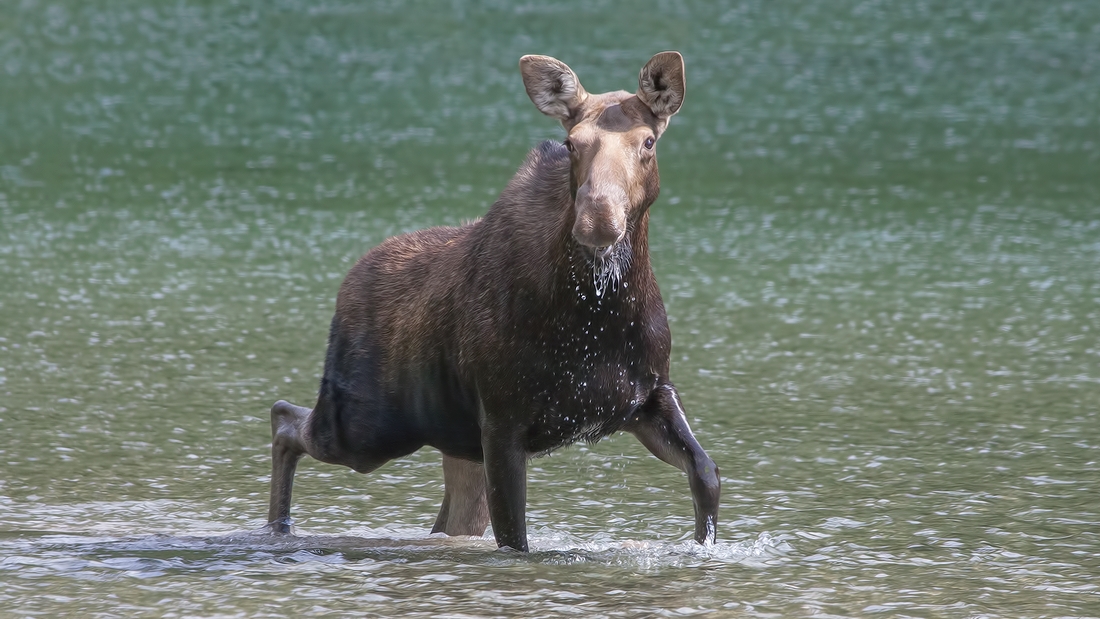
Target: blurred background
[[878, 240]]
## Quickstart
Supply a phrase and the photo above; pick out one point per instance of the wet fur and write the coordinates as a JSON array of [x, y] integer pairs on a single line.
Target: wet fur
[[507, 337], [509, 304]]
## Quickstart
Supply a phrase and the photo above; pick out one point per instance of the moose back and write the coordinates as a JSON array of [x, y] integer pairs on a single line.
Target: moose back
[[534, 327]]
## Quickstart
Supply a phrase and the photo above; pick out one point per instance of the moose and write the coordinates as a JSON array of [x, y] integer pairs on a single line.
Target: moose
[[534, 327]]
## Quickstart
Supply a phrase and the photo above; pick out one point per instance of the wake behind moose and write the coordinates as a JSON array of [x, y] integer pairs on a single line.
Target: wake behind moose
[[538, 325]]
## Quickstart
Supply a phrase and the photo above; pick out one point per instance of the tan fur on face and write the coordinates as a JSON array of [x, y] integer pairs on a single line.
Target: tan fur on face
[[615, 175], [612, 169]]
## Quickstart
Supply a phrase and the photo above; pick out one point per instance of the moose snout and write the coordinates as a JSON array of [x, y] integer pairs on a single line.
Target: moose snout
[[600, 217]]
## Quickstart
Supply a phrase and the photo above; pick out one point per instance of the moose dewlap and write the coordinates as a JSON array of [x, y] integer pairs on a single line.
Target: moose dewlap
[[534, 327]]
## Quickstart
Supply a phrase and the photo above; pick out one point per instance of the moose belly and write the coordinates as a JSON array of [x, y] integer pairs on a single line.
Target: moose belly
[[586, 406]]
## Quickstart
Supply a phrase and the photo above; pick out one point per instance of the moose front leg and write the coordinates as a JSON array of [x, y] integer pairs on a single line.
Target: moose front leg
[[506, 485], [663, 428]]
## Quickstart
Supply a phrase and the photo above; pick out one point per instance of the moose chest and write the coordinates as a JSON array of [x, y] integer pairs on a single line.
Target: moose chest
[[589, 372]]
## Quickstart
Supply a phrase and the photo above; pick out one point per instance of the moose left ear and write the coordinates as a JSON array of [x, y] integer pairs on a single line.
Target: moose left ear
[[661, 84]]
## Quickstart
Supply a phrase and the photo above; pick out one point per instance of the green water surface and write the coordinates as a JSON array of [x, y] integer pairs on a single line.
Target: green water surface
[[878, 240]]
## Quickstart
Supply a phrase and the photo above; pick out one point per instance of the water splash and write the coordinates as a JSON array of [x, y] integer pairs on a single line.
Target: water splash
[[560, 547], [609, 265]]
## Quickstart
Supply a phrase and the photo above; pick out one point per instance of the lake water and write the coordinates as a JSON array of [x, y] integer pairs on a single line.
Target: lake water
[[878, 240]]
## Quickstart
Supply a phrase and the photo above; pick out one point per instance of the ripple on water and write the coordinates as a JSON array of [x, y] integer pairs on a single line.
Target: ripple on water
[[32, 554], [877, 240]]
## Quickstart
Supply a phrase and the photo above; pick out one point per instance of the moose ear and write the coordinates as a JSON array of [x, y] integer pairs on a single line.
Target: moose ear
[[552, 86], [661, 84]]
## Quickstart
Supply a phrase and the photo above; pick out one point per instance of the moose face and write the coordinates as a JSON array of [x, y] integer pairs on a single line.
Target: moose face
[[612, 141]]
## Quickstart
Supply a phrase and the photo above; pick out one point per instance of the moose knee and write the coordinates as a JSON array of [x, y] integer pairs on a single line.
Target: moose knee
[[286, 423]]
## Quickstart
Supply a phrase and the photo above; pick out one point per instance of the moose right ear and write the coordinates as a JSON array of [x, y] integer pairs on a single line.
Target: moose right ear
[[552, 86], [661, 84]]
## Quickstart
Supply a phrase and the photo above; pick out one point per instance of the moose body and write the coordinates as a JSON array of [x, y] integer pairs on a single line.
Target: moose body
[[537, 326]]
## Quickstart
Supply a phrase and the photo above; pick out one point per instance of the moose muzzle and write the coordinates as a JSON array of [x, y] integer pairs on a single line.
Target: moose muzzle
[[600, 215]]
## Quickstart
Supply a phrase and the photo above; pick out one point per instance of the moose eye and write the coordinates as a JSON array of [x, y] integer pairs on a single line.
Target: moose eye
[[649, 142], [568, 145]]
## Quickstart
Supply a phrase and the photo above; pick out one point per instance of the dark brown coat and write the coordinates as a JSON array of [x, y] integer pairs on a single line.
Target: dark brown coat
[[539, 325]]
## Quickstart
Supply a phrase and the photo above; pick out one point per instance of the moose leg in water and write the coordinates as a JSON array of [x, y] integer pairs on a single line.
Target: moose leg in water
[[506, 474], [331, 438], [464, 510], [662, 427], [286, 450]]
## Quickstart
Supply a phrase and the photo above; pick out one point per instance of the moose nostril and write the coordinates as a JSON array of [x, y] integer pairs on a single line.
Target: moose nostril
[[601, 216], [599, 239]]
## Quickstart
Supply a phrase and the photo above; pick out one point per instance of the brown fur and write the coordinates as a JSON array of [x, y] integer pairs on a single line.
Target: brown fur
[[539, 325]]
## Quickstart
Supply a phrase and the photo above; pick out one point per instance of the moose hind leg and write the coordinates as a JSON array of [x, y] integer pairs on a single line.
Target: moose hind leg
[[287, 448], [465, 510], [662, 427], [362, 438]]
